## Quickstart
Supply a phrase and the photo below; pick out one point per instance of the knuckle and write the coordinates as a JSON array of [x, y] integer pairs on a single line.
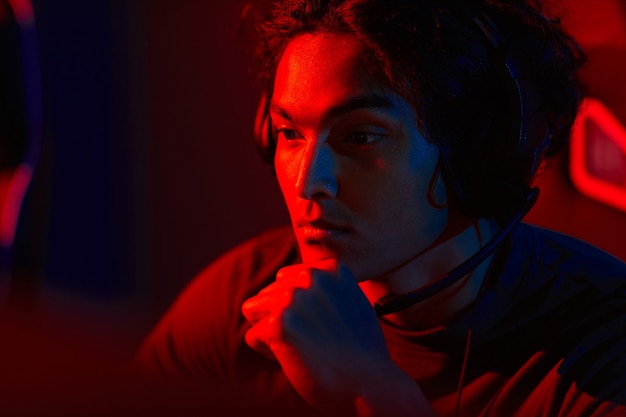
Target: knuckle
[[282, 273], [333, 265], [322, 280], [286, 321], [284, 326], [298, 297]]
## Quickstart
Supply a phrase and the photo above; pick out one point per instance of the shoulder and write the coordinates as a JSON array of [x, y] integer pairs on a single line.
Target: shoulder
[[257, 258], [578, 293], [540, 270], [550, 274], [557, 306], [204, 327], [553, 253], [242, 271]]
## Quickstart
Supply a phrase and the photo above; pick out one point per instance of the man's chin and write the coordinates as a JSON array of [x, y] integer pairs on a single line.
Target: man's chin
[[316, 254], [309, 255]]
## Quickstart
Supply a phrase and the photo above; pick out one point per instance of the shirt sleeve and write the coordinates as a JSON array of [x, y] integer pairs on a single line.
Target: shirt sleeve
[[202, 334]]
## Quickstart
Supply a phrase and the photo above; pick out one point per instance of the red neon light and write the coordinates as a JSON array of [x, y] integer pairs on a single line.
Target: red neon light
[[13, 186], [598, 155], [23, 10]]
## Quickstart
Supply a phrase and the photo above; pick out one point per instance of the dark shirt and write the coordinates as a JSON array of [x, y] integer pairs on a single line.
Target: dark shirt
[[548, 335]]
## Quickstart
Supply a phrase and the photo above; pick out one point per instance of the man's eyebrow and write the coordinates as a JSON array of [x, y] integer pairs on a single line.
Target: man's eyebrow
[[374, 102]]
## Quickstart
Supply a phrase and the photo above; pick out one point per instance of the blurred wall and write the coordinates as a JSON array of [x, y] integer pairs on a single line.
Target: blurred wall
[[600, 28], [150, 169], [209, 188]]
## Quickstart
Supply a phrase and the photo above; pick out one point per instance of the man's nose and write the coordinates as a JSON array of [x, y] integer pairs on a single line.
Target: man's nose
[[317, 176]]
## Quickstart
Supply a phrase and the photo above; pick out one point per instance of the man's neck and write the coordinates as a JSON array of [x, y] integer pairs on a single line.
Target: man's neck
[[446, 305]]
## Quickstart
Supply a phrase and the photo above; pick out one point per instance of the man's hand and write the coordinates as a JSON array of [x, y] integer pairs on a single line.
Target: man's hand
[[317, 323]]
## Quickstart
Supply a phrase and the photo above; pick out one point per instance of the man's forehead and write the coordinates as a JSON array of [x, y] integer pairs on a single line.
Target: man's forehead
[[326, 73], [323, 48], [320, 61]]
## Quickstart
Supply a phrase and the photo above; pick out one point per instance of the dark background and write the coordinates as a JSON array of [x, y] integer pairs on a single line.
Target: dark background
[[149, 170]]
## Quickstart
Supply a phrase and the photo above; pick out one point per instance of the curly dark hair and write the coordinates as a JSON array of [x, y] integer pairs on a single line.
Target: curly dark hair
[[434, 56]]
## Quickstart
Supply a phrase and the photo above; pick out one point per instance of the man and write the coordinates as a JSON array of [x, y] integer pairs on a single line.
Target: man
[[404, 136]]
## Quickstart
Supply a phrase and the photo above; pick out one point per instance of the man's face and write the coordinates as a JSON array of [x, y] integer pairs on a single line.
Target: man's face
[[360, 181]]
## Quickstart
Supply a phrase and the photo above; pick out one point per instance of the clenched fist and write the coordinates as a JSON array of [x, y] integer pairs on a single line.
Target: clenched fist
[[316, 322]]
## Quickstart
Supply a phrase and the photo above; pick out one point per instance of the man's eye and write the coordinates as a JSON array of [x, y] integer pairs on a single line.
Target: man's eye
[[362, 138], [286, 134]]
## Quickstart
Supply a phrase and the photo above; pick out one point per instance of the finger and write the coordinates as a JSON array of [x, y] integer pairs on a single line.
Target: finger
[[346, 272], [256, 308], [257, 338], [289, 272], [271, 298]]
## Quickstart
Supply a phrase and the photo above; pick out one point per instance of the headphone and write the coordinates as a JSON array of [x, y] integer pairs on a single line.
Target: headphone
[[503, 169], [530, 127], [516, 162]]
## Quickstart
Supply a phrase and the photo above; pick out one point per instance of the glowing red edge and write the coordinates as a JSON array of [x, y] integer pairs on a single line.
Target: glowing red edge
[[586, 183]]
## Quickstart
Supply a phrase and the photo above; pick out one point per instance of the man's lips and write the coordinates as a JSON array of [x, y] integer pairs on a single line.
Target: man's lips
[[320, 229]]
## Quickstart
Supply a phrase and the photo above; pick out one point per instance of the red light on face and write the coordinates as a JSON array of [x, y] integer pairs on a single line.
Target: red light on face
[[598, 155]]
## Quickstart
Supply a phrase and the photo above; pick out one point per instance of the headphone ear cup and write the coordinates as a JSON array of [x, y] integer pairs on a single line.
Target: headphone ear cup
[[498, 171], [263, 131], [512, 167], [531, 122]]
